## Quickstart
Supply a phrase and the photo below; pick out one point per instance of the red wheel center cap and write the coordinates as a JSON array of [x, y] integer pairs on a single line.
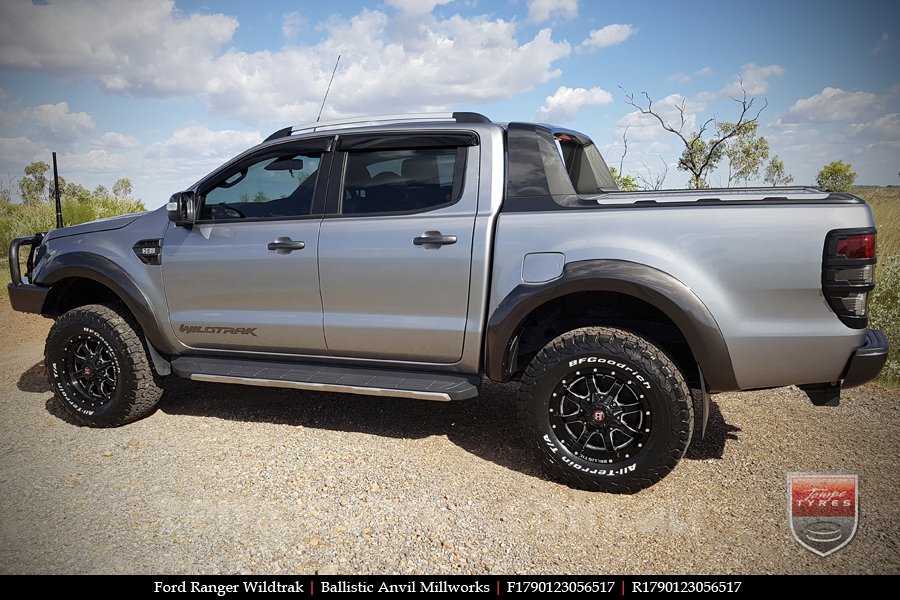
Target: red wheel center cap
[[88, 372], [599, 416]]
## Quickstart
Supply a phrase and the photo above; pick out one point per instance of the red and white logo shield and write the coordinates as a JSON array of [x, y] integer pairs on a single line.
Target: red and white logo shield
[[823, 510]]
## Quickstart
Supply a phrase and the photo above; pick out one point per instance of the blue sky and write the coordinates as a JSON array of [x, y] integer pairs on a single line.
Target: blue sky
[[162, 92]]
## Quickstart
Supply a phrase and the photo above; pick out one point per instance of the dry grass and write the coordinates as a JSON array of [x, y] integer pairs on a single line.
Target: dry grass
[[885, 203], [885, 301]]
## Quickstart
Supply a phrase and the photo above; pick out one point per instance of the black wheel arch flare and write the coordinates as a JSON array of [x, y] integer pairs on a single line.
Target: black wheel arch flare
[[655, 287], [104, 271]]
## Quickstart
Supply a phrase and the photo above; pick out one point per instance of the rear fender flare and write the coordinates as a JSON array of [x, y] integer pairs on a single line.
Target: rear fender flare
[[657, 288]]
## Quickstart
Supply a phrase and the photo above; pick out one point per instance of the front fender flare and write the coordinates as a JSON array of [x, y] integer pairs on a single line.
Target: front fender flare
[[657, 288], [98, 268]]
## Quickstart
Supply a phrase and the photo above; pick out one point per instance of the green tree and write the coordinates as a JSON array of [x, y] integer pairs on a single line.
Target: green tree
[[836, 177], [101, 191], [34, 187], [626, 183], [122, 189], [698, 159], [702, 151], [74, 192], [746, 151], [775, 173]]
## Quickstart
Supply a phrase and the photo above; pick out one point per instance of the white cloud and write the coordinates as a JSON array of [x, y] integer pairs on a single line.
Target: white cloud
[[200, 142], [95, 161], [187, 155], [753, 78], [565, 103], [882, 43], [416, 7], [54, 122], [686, 77], [884, 128], [114, 139], [388, 65], [831, 105], [19, 151], [292, 24], [383, 69], [541, 10], [145, 46], [608, 36]]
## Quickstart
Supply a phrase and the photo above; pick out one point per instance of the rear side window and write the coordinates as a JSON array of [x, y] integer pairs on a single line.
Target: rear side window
[[402, 180], [585, 165]]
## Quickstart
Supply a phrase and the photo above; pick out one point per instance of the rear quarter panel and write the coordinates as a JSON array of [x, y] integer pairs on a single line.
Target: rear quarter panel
[[757, 269]]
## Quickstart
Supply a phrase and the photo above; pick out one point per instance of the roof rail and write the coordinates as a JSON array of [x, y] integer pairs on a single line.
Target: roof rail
[[459, 117]]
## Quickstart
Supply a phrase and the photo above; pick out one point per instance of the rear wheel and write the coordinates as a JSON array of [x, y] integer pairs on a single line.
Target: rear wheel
[[606, 409], [99, 369]]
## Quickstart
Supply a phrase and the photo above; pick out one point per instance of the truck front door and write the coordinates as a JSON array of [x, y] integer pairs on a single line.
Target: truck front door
[[245, 276]]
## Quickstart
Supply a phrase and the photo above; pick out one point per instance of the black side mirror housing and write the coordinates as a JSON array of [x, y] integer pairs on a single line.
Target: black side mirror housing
[[182, 209]]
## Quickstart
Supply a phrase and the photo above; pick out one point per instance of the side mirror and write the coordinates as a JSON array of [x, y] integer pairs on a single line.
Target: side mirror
[[181, 208]]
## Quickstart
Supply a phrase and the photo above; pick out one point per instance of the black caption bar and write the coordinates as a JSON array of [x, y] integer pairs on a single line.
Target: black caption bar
[[227, 586]]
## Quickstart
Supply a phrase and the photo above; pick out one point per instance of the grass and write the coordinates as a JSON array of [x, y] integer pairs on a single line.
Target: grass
[[884, 304], [885, 203]]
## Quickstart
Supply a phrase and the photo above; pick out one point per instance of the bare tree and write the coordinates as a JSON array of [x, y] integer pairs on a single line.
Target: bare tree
[[6, 190], [701, 155], [653, 181], [625, 151]]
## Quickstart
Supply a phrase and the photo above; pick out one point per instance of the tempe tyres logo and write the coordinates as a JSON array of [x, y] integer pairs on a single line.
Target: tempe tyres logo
[[823, 510]]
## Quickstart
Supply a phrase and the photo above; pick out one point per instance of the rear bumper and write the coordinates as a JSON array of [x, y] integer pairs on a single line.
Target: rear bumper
[[26, 297], [867, 360]]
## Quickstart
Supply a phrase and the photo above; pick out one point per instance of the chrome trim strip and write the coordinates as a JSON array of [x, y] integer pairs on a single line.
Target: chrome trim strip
[[322, 387]]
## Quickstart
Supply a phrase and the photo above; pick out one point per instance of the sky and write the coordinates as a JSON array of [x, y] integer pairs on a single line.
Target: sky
[[164, 91]]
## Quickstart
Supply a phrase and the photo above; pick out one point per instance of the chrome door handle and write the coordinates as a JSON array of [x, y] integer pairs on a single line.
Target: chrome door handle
[[434, 239], [285, 245]]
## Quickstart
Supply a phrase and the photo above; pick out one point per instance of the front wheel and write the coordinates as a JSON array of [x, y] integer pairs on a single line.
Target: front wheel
[[98, 368], [606, 409]]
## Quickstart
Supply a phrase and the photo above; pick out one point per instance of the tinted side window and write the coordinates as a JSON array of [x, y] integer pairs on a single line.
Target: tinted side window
[[396, 181], [273, 187], [585, 165]]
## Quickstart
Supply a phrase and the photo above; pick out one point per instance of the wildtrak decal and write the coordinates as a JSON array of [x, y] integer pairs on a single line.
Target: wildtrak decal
[[213, 329]]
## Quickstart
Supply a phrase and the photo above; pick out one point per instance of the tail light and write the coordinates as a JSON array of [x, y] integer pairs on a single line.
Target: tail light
[[848, 273]]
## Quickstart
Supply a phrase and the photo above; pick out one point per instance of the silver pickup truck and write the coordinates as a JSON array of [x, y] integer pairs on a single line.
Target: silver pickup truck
[[413, 256]]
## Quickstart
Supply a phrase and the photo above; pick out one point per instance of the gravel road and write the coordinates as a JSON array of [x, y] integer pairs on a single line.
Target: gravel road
[[228, 479]]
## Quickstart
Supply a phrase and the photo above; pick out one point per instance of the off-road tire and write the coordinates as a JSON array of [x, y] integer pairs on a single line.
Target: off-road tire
[[99, 369], [584, 437]]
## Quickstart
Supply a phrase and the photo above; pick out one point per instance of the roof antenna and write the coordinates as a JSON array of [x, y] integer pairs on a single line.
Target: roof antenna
[[328, 89]]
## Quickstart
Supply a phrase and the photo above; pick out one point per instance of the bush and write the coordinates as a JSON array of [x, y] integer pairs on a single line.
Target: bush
[[836, 176], [17, 220]]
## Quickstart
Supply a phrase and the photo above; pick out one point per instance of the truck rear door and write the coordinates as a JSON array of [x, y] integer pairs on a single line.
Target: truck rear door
[[395, 248]]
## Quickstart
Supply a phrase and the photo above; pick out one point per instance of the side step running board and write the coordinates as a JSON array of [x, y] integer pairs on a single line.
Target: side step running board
[[347, 380]]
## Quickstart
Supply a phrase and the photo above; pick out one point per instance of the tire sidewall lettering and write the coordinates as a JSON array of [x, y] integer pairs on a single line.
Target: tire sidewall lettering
[[583, 364], [57, 366]]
